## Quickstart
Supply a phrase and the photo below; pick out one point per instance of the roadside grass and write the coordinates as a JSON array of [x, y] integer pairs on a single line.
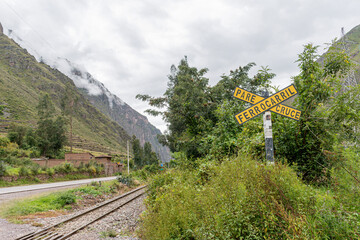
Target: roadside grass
[[53, 201], [18, 211]]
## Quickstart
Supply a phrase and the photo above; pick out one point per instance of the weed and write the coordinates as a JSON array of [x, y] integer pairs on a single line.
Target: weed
[[108, 233], [127, 180]]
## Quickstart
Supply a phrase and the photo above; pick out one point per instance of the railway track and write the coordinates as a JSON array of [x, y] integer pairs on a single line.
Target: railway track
[[69, 227]]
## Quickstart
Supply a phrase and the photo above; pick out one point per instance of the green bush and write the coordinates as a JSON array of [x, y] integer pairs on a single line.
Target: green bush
[[50, 171], [2, 168], [127, 180], [66, 198], [64, 168], [35, 169], [4, 141], [23, 171], [243, 199]]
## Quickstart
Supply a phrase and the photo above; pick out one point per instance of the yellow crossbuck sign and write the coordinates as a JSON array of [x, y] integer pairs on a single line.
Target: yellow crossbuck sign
[[271, 103]]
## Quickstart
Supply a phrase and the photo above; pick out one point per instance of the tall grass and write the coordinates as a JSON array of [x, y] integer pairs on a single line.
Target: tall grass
[[243, 199]]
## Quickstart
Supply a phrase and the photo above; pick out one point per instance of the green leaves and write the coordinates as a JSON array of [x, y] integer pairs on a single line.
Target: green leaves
[[50, 131]]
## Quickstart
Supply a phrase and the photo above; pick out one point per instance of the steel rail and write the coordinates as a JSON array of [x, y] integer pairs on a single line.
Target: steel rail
[[45, 231]]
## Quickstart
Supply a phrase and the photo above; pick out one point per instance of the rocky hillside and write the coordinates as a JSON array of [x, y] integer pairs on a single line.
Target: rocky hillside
[[22, 81], [109, 104], [133, 122]]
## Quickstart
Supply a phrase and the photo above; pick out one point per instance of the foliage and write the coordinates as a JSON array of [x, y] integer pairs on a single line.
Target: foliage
[[56, 201], [22, 87], [243, 199], [303, 143], [198, 115], [51, 132], [108, 233], [17, 133], [146, 172], [2, 168], [126, 179], [4, 141], [66, 198], [69, 104], [53, 201], [24, 171], [143, 155]]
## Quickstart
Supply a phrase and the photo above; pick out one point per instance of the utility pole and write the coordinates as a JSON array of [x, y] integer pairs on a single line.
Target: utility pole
[[269, 144], [128, 166]]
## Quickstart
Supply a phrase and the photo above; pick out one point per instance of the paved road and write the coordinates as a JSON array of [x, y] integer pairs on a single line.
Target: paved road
[[9, 193]]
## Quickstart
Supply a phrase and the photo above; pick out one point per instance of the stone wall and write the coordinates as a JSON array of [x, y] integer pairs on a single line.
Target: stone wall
[[79, 156], [109, 167]]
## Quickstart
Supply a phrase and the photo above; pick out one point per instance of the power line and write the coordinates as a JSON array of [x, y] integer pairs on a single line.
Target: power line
[[33, 29]]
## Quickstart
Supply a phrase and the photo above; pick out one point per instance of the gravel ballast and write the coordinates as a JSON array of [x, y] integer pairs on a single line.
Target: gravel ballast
[[122, 223]]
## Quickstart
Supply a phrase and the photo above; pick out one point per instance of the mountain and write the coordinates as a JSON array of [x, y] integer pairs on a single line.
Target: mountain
[[112, 106], [133, 122], [23, 80], [109, 104], [350, 42]]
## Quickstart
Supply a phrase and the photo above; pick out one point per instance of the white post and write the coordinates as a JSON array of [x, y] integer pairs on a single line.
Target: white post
[[128, 157], [269, 148]]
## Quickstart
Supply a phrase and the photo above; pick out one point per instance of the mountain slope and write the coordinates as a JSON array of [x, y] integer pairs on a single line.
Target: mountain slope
[[23, 80], [351, 44], [133, 122]]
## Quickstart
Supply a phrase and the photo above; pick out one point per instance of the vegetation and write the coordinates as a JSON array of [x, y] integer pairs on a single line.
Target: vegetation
[[143, 155], [60, 200], [244, 199], [15, 162], [217, 191], [21, 75], [50, 131], [68, 106]]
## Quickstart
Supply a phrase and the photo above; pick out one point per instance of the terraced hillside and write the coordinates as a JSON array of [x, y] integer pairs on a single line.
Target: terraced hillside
[[23, 80]]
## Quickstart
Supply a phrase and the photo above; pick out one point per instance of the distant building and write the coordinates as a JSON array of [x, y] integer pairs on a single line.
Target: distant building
[[77, 158], [81, 157]]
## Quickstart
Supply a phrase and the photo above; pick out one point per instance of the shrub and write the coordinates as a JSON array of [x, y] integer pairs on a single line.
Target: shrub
[[91, 170], [68, 167], [127, 180], [64, 168], [4, 141], [23, 171], [66, 198], [35, 169], [81, 167], [243, 199], [2, 168], [50, 171]]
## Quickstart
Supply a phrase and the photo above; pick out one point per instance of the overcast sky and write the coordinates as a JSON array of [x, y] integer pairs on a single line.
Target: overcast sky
[[130, 45]]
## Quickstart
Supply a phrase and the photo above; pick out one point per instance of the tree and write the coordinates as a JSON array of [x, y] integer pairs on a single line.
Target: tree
[[150, 157], [51, 130], [306, 142], [68, 106], [143, 155], [17, 133], [137, 151], [188, 108], [24, 136], [192, 107]]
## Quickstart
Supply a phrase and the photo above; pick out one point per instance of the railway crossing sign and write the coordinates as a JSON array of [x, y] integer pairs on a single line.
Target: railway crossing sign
[[264, 105]]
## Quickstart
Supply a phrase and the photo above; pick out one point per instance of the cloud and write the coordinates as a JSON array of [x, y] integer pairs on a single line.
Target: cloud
[[130, 45]]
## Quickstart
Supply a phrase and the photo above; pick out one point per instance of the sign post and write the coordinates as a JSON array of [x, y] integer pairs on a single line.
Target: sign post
[[269, 145], [266, 105]]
